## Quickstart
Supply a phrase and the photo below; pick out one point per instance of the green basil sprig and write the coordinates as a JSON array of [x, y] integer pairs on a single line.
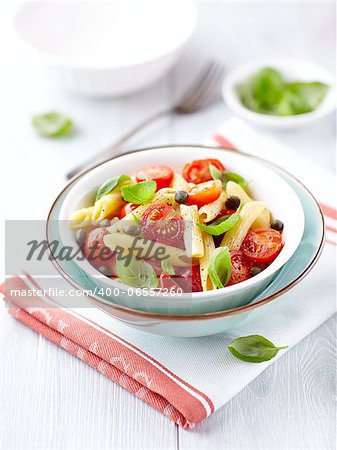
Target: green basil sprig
[[224, 177], [52, 124], [139, 193], [254, 348], [222, 225], [167, 267], [110, 184], [136, 273], [219, 268]]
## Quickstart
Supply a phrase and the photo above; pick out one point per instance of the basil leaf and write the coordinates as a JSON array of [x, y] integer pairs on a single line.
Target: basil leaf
[[219, 268], [254, 348], [267, 92], [232, 176], [110, 184], [52, 124], [139, 193], [222, 227], [136, 273], [216, 174], [136, 219], [224, 177], [167, 267]]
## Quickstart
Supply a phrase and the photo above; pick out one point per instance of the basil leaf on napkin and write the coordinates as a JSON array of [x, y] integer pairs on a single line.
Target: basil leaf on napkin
[[52, 124], [136, 273], [110, 184], [222, 225], [219, 268], [254, 348], [139, 193]]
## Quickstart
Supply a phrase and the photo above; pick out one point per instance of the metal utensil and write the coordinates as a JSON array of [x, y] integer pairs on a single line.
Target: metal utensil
[[203, 92]]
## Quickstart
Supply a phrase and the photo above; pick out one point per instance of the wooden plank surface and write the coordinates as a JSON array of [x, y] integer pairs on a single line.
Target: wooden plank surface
[[51, 400]]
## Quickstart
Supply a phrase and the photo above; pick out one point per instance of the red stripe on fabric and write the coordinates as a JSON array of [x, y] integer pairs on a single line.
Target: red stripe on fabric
[[110, 371], [330, 242], [331, 229], [328, 211], [223, 142], [204, 396], [108, 349]]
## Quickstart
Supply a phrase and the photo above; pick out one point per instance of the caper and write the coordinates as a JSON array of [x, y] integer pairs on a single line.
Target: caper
[[133, 230], [105, 271], [255, 271], [105, 223], [233, 202], [181, 197], [80, 236], [277, 225]]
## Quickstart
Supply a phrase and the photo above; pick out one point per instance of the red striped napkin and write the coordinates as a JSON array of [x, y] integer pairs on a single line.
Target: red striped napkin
[[188, 379]]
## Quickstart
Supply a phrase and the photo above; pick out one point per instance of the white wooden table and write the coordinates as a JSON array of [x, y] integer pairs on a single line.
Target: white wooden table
[[49, 399]]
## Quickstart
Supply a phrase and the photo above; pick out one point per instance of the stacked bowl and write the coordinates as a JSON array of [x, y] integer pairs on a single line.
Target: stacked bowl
[[199, 313]]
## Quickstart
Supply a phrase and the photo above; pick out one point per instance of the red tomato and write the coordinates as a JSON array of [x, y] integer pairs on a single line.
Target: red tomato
[[162, 175], [205, 193], [127, 208], [239, 268], [161, 223], [166, 282], [94, 248], [198, 171], [225, 212], [189, 278], [263, 245]]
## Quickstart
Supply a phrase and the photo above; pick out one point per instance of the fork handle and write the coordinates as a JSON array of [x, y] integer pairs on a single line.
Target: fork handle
[[107, 153]]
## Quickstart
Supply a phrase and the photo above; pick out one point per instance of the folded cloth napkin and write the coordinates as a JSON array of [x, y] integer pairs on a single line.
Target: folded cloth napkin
[[188, 379]]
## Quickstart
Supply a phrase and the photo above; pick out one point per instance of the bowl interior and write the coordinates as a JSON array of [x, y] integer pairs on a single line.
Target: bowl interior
[[292, 70], [264, 183], [116, 33]]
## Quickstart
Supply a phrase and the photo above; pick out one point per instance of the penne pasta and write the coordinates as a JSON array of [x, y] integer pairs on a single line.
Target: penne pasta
[[108, 206], [248, 214], [192, 235], [210, 211], [264, 219], [132, 246], [162, 197], [206, 282], [81, 218], [179, 183]]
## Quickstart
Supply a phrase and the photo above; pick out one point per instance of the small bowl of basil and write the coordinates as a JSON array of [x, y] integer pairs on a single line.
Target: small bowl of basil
[[280, 93]]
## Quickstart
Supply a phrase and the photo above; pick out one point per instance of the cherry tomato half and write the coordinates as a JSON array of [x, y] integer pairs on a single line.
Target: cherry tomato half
[[198, 171], [162, 224], [162, 175], [127, 209], [205, 193], [167, 282], [95, 250], [262, 245], [189, 279], [239, 268]]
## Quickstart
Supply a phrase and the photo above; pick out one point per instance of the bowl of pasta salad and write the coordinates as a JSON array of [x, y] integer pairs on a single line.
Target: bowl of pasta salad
[[181, 229]]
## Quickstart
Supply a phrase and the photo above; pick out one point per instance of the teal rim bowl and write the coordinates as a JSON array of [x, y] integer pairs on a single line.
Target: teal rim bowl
[[288, 276]]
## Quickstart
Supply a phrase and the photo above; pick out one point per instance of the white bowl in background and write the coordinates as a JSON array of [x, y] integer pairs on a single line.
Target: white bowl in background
[[107, 48], [265, 184], [292, 70]]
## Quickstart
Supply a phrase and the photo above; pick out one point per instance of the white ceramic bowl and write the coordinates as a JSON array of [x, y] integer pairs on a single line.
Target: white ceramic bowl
[[265, 185], [292, 69], [107, 48]]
